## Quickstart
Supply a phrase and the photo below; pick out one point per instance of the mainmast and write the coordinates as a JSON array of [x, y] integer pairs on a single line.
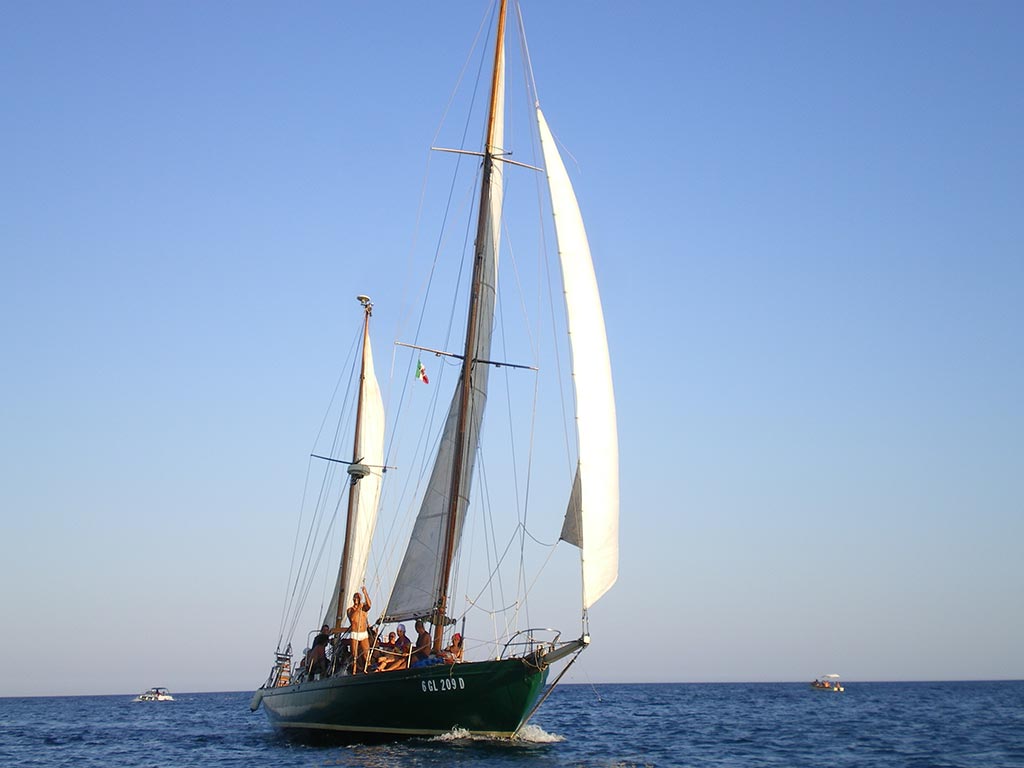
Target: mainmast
[[356, 470], [460, 459]]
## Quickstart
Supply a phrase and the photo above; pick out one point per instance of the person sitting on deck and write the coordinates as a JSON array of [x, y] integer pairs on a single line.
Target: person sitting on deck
[[375, 642], [421, 651], [397, 657], [317, 656], [383, 654], [453, 652]]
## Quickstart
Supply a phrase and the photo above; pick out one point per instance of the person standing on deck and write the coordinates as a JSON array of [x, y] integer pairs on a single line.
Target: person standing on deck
[[358, 628]]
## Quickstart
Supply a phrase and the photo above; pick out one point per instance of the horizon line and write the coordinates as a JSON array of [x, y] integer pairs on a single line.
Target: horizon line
[[846, 681]]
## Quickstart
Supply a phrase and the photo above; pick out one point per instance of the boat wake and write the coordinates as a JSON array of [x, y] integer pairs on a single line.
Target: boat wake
[[528, 734]]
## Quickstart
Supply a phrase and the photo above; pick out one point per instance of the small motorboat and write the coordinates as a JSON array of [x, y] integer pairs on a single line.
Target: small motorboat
[[155, 694], [828, 683]]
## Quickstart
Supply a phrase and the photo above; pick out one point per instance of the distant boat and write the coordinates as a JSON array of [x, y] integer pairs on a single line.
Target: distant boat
[[495, 695], [155, 694], [828, 683]]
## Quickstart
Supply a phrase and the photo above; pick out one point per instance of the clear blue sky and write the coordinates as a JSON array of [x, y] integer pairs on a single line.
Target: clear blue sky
[[808, 220]]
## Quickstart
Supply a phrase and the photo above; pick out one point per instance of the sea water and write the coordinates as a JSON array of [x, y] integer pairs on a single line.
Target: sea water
[[969, 724]]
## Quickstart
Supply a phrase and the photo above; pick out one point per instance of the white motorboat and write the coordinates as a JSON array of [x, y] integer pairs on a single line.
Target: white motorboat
[[155, 694]]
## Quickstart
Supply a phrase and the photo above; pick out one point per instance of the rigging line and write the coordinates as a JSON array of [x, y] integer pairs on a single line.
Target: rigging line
[[478, 179], [330, 577], [309, 566], [425, 450], [437, 132], [395, 442], [316, 523], [311, 573], [457, 289], [497, 565], [467, 236], [508, 389], [350, 366], [328, 480], [303, 580], [520, 509], [291, 565], [548, 691], [491, 611], [350, 363], [522, 295], [443, 237], [500, 581], [538, 541], [492, 538], [298, 602], [597, 693], [424, 434], [537, 576], [444, 220], [531, 82], [465, 133], [302, 505], [485, 22], [482, 508], [464, 490], [419, 451], [543, 258]]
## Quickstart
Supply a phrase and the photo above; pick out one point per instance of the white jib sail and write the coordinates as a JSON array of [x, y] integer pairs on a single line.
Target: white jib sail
[[365, 491], [592, 520], [418, 582]]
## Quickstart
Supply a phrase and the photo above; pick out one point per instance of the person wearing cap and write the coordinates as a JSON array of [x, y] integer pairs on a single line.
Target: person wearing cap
[[398, 656]]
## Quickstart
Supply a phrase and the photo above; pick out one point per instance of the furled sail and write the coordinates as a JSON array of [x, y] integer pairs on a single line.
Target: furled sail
[[364, 491], [417, 586], [592, 518]]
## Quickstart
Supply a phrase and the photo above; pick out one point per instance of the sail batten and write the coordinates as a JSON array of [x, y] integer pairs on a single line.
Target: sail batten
[[592, 517]]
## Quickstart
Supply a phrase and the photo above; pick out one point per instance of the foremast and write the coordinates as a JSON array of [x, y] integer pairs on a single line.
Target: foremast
[[364, 479], [460, 459]]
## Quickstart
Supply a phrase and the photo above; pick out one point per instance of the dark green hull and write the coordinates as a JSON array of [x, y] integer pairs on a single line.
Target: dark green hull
[[484, 697]]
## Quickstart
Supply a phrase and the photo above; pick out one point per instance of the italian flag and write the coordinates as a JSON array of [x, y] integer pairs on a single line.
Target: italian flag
[[421, 372]]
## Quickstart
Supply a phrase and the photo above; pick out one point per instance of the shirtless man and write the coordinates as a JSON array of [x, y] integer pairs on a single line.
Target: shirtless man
[[316, 659], [421, 651], [358, 626]]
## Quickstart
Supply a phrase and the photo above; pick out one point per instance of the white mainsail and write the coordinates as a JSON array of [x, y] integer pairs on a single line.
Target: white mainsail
[[417, 586], [365, 491], [592, 518]]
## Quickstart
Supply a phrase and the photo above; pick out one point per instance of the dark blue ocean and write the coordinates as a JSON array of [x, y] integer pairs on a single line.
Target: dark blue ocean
[[608, 726]]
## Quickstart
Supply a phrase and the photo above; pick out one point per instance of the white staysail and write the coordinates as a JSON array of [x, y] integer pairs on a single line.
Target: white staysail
[[365, 490], [418, 583], [592, 518]]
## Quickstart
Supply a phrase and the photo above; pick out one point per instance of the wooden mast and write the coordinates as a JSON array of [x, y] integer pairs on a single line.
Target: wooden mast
[[459, 458], [355, 477]]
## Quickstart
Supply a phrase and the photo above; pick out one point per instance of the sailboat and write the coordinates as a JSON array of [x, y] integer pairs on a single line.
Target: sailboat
[[494, 696]]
